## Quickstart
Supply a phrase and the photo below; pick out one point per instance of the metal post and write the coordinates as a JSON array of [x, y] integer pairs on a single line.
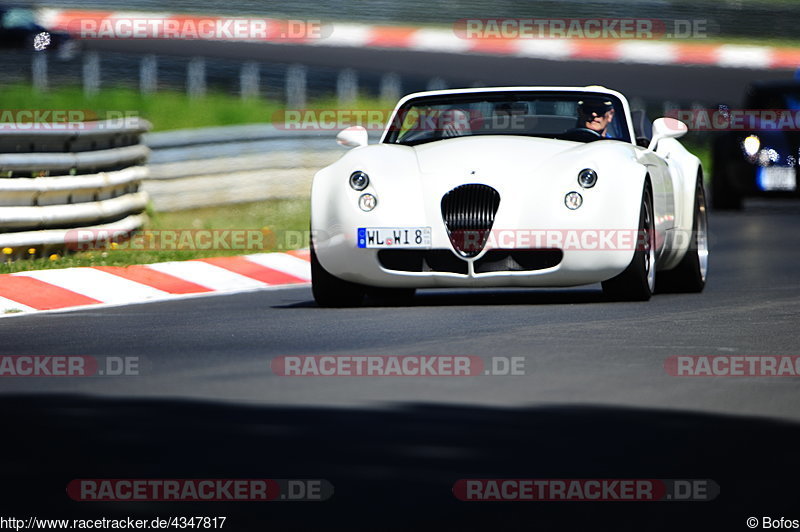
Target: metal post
[[347, 86], [196, 77], [391, 87], [669, 108], [249, 80], [436, 84], [39, 71], [91, 73], [637, 103], [148, 74], [296, 87]]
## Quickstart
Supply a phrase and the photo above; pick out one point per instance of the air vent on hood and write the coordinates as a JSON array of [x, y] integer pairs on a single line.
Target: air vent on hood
[[468, 212]]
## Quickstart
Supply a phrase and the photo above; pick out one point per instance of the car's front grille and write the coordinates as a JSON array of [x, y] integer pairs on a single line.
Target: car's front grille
[[468, 212], [443, 260], [422, 260], [518, 260]]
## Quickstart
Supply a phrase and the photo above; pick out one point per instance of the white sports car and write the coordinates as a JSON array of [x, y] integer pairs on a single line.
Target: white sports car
[[510, 187]]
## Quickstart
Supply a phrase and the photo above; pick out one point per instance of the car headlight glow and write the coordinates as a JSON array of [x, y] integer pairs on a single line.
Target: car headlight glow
[[367, 202], [773, 156], [751, 145], [359, 180], [573, 200], [767, 156], [587, 178]]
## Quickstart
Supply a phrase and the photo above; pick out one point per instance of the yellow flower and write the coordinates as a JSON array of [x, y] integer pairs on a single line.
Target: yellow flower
[[31, 251], [114, 245], [54, 256], [8, 251]]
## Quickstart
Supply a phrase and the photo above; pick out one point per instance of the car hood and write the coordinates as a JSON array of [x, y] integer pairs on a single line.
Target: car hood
[[491, 153]]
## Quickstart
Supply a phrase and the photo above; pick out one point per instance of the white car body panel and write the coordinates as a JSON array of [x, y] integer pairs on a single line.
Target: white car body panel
[[532, 176]]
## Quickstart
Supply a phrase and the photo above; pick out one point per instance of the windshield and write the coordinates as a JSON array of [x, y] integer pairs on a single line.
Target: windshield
[[577, 116]]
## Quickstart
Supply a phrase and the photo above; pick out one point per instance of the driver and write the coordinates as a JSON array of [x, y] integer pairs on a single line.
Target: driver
[[596, 115]]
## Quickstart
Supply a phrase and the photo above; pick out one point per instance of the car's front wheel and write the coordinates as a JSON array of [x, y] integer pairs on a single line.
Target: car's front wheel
[[638, 281], [329, 290]]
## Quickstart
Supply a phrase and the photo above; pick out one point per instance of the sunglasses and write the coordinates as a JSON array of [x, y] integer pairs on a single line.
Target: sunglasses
[[596, 110]]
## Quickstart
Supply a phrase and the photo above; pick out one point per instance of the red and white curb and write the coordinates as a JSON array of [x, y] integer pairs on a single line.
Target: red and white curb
[[57, 289], [447, 40]]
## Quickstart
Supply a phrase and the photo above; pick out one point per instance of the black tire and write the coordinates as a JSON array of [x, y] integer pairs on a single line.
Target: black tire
[[637, 282], [723, 195], [329, 290], [689, 276]]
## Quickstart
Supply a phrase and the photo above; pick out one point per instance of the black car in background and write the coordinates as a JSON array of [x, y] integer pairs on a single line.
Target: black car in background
[[758, 155], [18, 31]]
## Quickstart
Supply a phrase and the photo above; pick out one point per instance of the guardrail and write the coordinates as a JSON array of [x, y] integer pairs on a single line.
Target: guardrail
[[60, 177], [234, 164]]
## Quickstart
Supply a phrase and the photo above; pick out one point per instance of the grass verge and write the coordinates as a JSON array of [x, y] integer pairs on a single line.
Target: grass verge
[[273, 225], [166, 109]]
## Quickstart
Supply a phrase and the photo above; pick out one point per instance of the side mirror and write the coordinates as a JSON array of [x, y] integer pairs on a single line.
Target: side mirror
[[667, 128], [353, 137]]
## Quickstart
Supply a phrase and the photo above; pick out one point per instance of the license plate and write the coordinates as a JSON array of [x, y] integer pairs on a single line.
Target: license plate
[[394, 237], [778, 178]]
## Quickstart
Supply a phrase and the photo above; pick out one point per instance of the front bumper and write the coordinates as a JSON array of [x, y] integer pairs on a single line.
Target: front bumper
[[554, 267]]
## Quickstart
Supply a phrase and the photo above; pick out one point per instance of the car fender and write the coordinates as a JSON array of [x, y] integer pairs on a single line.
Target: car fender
[[685, 170]]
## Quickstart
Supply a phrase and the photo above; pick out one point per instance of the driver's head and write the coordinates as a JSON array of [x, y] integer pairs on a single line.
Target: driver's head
[[595, 114]]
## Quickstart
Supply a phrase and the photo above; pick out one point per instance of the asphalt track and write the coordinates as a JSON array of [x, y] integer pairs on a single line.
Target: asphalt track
[[595, 402], [707, 85]]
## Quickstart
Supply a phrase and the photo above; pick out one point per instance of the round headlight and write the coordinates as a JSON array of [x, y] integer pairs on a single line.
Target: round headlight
[[367, 202], [751, 145], [359, 180], [587, 178], [573, 200]]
